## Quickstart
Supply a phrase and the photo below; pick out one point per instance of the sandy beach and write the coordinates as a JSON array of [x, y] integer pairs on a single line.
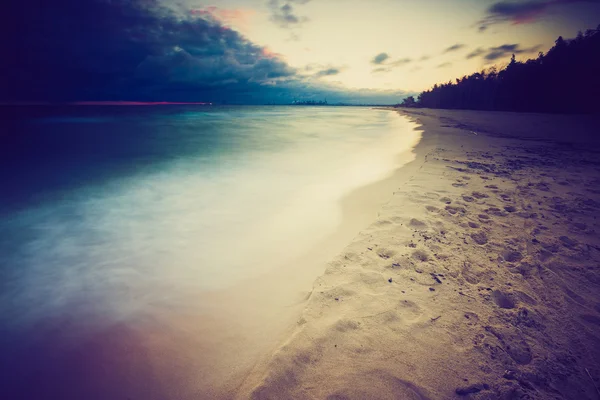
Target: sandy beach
[[479, 279]]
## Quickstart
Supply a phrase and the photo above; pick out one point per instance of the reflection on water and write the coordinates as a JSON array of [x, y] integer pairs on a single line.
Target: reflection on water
[[115, 223]]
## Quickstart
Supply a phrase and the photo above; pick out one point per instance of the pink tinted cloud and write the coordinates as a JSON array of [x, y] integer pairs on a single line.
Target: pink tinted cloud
[[268, 53], [235, 17], [521, 12]]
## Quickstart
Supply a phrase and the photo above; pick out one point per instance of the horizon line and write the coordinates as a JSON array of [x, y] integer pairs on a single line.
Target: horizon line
[[103, 103]]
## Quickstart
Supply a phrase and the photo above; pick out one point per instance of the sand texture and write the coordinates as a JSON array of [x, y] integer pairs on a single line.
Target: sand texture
[[480, 278]]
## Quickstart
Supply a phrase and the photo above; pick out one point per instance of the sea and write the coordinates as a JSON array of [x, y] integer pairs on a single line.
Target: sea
[[122, 228]]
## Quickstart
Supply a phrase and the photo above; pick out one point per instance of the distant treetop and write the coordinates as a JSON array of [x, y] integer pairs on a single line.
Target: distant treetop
[[564, 80]]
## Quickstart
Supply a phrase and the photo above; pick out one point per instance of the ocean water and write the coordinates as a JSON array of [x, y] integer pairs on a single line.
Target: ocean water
[[108, 214]]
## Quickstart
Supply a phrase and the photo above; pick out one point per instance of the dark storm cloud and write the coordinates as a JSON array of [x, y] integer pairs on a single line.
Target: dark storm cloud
[[380, 58], [98, 49], [284, 14], [521, 11], [78, 50], [455, 47]]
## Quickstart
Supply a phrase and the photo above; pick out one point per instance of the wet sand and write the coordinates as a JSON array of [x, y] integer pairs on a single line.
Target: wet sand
[[479, 279]]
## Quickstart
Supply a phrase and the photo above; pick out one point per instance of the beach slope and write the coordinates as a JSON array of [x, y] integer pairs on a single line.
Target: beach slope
[[479, 279]]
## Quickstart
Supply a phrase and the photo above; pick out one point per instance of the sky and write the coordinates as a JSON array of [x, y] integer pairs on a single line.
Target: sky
[[267, 51]]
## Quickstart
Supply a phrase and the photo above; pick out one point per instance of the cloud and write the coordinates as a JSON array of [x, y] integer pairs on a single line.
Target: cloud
[[495, 53], [383, 60], [381, 69], [320, 70], [475, 53], [284, 15], [138, 50], [400, 62], [444, 65], [424, 58], [228, 17], [335, 93], [122, 50], [328, 72], [455, 47], [380, 58], [521, 12]]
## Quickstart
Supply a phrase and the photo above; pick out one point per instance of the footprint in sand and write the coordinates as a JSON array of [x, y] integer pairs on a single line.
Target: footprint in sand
[[527, 318], [468, 199], [453, 210], [472, 318], [544, 255], [345, 325], [470, 273], [542, 187], [432, 209], [511, 256], [496, 211], [479, 195], [479, 238], [502, 300], [445, 200], [510, 209], [514, 344], [409, 310], [473, 225], [421, 255], [568, 242], [385, 253], [415, 223], [551, 247], [525, 268]]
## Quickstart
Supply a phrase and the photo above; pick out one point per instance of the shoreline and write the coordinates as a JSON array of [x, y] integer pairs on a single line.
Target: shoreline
[[359, 209], [203, 343], [294, 282], [446, 290], [244, 323], [350, 202]]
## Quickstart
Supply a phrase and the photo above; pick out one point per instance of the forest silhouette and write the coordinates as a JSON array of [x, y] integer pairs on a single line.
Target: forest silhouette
[[564, 80]]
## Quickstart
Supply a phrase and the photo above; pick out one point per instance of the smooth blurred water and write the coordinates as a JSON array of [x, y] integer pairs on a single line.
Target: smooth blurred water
[[107, 212]]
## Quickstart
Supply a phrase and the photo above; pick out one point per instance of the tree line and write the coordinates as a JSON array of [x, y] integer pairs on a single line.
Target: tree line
[[564, 80]]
